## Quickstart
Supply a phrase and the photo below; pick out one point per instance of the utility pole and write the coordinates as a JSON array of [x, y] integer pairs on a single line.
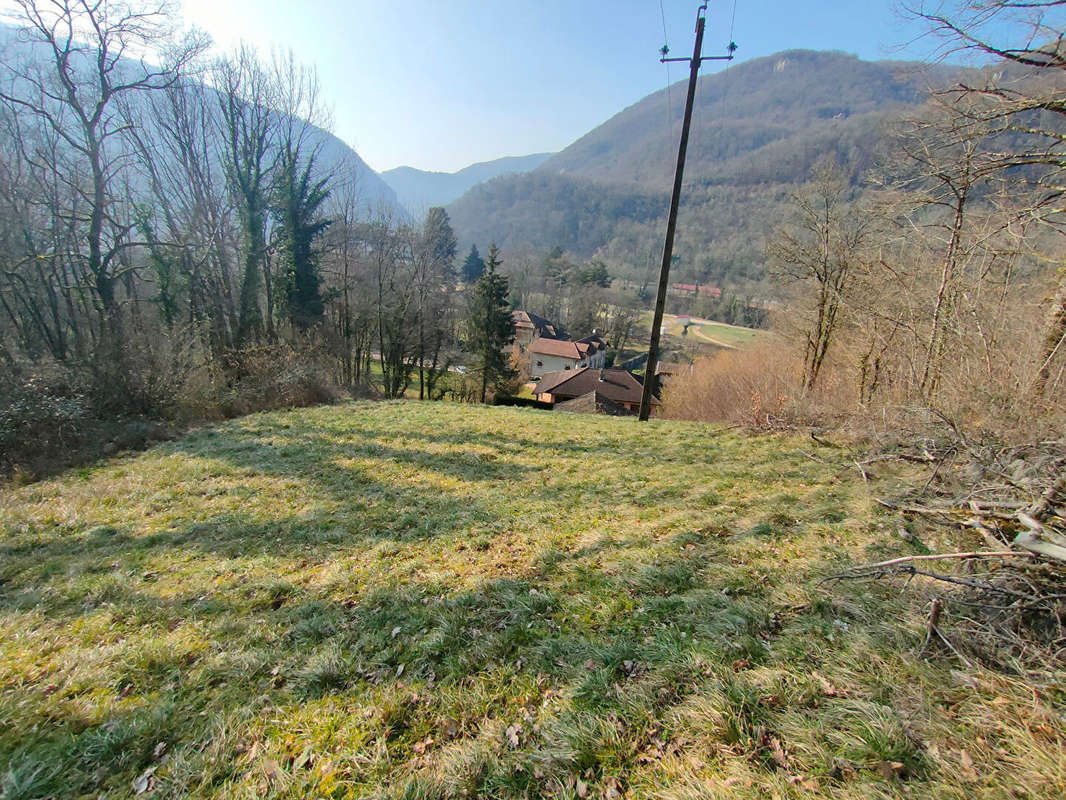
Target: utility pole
[[675, 199]]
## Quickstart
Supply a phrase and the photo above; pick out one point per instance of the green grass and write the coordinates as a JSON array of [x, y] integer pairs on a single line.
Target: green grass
[[705, 331], [432, 600]]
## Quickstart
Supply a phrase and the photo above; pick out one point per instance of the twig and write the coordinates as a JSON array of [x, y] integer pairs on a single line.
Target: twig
[[948, 452], [815, 458], [1041, 506], [824, 442], [940, 556], [930, 626], [865, 477]]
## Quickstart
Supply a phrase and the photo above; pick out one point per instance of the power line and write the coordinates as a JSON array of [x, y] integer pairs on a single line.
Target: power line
[[665, 51], [675, 200]]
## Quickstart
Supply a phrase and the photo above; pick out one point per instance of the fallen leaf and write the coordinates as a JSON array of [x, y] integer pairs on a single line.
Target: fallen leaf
[[399, 670], [582, 789], [143, 782], [966, 762], [828, 689], [396, 631], [272, 769], [777, 753], [512, 734], [890, 769], [159, 748]]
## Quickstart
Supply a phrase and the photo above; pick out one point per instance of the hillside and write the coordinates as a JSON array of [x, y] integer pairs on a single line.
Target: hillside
[[758, 127], [418, 189], [335, 155], [437, 600]]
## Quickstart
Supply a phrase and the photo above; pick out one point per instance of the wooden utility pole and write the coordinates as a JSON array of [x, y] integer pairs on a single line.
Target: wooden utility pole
[[675, 199]]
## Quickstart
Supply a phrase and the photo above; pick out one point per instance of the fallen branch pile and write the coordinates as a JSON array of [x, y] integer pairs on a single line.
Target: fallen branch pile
[[1006, 603]]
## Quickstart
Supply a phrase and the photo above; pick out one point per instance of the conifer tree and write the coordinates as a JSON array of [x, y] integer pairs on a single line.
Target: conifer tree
[[473, 267], [491, 326]]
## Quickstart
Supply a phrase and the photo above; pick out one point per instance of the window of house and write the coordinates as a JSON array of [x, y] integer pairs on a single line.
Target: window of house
[[540, 363]]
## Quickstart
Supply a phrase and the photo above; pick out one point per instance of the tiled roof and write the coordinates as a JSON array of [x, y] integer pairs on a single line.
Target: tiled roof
[[551, 380], [529, 321], [555, 347], [595, 343], [617, 385]]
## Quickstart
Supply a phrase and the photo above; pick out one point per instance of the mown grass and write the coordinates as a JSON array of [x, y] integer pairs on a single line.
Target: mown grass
[[706, 331], [430, 600]]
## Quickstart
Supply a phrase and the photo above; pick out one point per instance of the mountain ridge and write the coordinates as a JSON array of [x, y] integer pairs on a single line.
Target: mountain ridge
[[418, 189], [758, 129]]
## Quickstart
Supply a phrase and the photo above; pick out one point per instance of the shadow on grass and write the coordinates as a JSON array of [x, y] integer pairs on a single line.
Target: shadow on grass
[[621, 648], [588, 659]]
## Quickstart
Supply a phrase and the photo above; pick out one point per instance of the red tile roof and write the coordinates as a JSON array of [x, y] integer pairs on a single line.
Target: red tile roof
[[555, 347], [617, 385]]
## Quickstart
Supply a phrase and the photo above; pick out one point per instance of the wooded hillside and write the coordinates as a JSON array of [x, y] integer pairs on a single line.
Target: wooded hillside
[[758, 128]]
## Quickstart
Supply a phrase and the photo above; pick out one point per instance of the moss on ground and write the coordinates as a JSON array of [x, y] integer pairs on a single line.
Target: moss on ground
[[433, 600]]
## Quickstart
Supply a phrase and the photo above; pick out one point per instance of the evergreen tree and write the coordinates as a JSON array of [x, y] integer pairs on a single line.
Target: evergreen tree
[[595, 274], [297, 207], [491, 326], [474, 266], [440, 241], [435, 284]]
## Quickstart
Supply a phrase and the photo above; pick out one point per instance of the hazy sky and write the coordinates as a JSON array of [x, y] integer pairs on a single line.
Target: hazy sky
[[440, 85]]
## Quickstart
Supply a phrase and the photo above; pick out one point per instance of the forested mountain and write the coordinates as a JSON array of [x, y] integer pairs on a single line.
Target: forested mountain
[[758, 128], [334, 155], [418, 189]]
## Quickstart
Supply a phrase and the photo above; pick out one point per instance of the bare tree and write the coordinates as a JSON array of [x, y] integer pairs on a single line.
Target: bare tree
[[816, 254], [86, 61], [1018, 110]]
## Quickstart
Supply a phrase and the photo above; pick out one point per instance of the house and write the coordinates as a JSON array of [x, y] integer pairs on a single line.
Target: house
[[695, 289], [528, 327], [615, 391], [666, 371], [596, 353], [557, 355], [554, 355]]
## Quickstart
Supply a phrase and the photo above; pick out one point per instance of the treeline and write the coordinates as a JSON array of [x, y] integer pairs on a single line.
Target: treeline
[[178, 242]]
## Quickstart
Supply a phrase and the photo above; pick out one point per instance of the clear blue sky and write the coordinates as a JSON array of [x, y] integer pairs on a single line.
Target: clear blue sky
[[439, 85]]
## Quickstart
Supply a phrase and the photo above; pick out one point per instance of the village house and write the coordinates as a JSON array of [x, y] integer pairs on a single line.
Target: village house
[[557, 355], [694, 289], [528, 326], [553, 355], [591, 390]]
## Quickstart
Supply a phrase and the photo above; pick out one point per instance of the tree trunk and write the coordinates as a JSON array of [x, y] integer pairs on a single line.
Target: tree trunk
[[1054, 336]]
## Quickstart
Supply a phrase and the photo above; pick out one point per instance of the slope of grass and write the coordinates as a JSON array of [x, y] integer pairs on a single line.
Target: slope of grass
[[430, 600], [705, 331]]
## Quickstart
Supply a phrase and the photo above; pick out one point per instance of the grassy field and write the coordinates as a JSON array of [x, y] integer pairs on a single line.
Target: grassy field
[[705, 331], [431, 600]]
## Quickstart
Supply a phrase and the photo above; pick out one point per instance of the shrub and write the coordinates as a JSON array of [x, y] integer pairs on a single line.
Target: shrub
[[754, 385], [39, 414]]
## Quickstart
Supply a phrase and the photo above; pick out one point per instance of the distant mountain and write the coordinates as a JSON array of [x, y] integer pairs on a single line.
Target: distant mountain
[[757, 130], [338, 157], [419, 190]]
